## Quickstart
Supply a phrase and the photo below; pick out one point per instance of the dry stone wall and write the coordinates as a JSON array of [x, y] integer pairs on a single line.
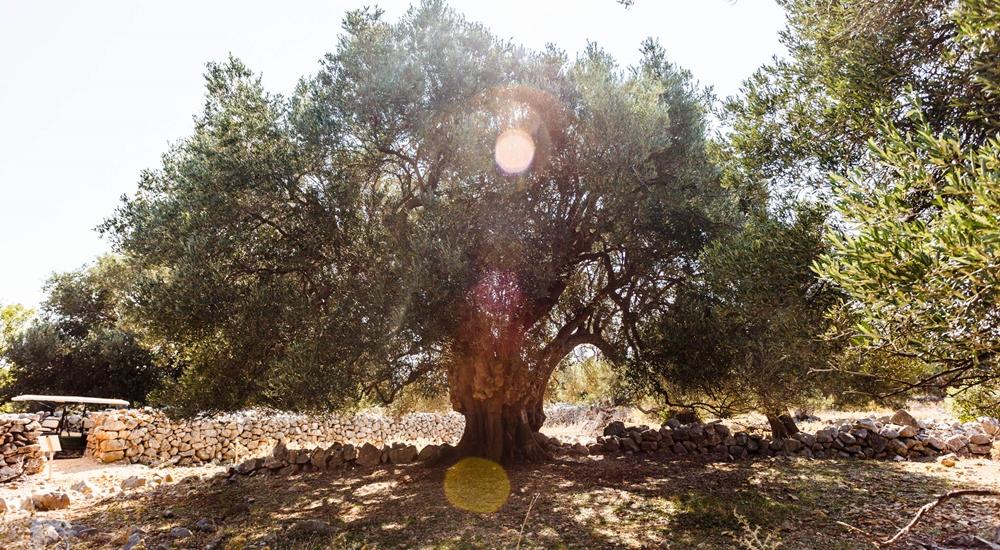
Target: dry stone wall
[[148, 436], [900, 437], [22, 454]]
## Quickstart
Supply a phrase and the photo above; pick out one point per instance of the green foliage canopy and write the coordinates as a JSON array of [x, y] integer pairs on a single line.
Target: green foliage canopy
[[749, 329], [82, 343], [359, 236], [918, 257], [848, 64]]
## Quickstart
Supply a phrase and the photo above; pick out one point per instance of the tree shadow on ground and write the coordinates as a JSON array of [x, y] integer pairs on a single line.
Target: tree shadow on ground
[[627, 502]]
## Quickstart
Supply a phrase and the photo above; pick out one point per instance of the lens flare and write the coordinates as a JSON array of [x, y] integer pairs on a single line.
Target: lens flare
[[477, 485], [514, 150]]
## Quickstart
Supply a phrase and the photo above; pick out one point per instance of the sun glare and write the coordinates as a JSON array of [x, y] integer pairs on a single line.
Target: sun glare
[[514, 150], [477, 485]]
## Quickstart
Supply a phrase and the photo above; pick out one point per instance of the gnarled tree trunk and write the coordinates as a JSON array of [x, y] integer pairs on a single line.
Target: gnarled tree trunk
[[782, 425], [502, 405]]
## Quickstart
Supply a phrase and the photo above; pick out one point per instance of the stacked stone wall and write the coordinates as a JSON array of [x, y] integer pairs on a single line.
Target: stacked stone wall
[[19, 446], [150, 437], [900, 437]]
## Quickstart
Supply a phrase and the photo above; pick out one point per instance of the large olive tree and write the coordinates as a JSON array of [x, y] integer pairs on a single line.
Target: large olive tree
[[434, 204]]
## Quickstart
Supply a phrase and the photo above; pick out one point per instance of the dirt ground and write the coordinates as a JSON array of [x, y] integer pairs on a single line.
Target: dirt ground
[[583, 502]]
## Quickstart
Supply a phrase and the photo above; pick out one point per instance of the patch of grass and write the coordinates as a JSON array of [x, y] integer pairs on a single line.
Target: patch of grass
[[711, 511]]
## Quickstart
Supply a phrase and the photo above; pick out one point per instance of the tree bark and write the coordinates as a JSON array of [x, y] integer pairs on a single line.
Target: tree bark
[[496, 376], [502, 405], [782, 425]]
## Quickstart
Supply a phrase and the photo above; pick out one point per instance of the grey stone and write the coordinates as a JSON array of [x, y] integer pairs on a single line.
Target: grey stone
[[935, 443], [46, 532], [369, 456], [980, 439], [318, 458], [272, 463], [404, 455], [722, 430], [955, 443], [807, 439], [897, 447], [44, 535], [280, 451], [908, 431], [903, 418], [866, 424], [180, 532], [877, 442], [350, 453], [616, 428], [133, 540], [133, 482], [81, 531], [697, 431], [250, 466], [429, 452], [826, 435], [990, 425], [792, 445], [890, 431], [979, 449]]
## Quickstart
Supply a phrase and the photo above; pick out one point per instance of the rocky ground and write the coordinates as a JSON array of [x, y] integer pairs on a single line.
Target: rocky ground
[[577, 502], [584, 502]]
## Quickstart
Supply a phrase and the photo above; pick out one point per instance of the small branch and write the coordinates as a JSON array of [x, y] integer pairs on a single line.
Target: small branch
[[933, 504], [525, 522], [653, 411], [862, 532], [986, 543]]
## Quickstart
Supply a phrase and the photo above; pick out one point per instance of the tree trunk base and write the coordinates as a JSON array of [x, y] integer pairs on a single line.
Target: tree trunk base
[[782, 426], [503, 434]]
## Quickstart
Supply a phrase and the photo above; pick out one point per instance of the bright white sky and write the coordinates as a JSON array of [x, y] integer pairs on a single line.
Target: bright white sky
[[92, 92]]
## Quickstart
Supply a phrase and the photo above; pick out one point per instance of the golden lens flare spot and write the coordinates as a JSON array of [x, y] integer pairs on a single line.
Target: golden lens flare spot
[[477, 485], [514, 150]]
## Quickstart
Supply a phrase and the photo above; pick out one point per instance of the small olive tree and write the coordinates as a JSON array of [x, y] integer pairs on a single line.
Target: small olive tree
[[748, 331]]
